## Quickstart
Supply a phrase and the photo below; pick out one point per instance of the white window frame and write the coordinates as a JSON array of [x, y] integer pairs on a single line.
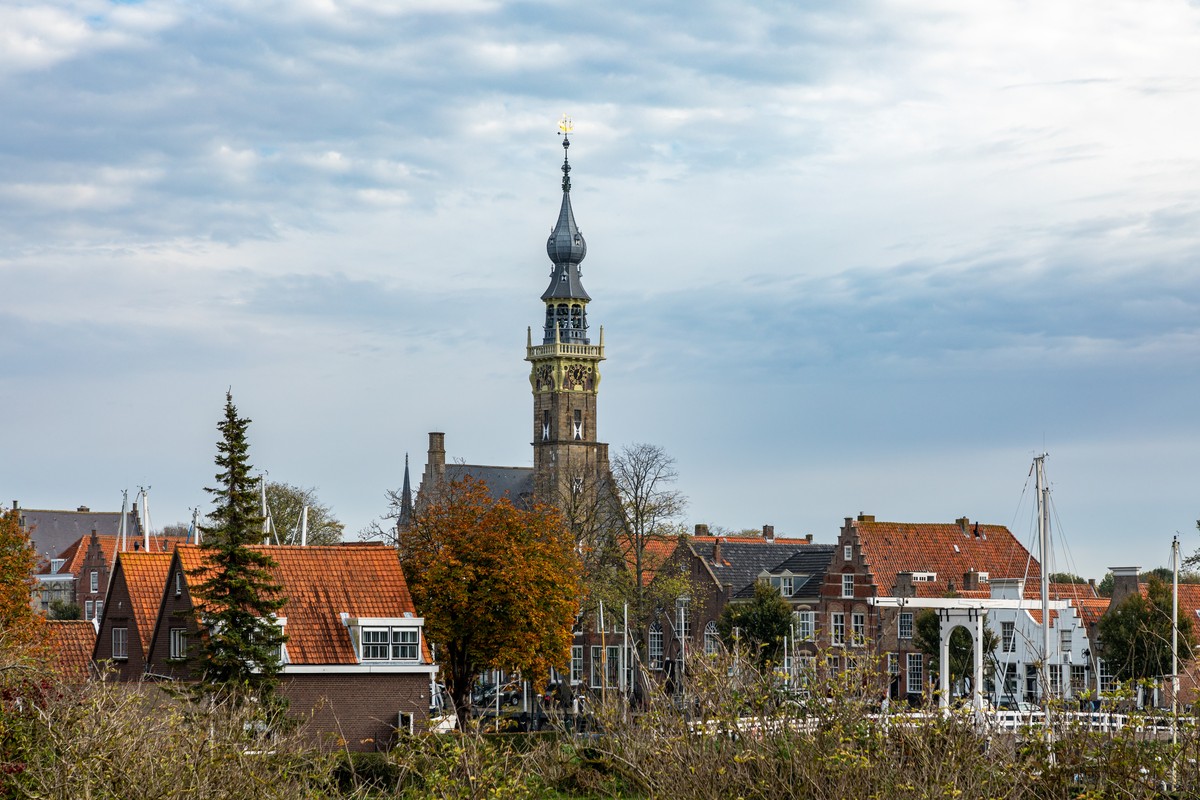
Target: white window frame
[[904, 625], [914, 675], [1008, 637], [95, 581], [89, 609], [848, 552], [837, 628], [848, 584], [392, 643], [655, 646], [858, 628], [893, 663], [120, 643], [805, 621], [712, 639], [576, 664]]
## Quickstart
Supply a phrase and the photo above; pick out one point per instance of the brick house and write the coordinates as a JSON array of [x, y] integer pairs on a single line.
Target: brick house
[[719, 570], [80, 573], [356, 666], [892, 559], [130, 613]]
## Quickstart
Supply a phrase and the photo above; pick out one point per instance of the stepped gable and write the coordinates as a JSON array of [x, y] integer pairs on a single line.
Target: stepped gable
[[950, 550], [146, 579], [319, 584], [70, 642], [743, 558]]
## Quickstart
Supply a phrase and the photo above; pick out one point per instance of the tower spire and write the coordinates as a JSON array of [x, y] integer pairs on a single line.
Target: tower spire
[[565, 298], [406, 504]]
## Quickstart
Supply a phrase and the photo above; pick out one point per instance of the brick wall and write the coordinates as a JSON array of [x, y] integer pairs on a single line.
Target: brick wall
[[359, 710]]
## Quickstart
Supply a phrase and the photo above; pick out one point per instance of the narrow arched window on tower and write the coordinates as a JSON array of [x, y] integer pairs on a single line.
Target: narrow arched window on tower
[[545, 426], [578, 425]]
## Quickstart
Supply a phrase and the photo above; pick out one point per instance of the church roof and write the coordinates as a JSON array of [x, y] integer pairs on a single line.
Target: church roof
[[515, 483]]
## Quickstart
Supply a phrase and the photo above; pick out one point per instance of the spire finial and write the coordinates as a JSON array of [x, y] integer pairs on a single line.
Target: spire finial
[[565, 127]]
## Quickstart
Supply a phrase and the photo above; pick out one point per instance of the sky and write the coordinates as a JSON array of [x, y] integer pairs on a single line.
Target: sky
[[850, 257]]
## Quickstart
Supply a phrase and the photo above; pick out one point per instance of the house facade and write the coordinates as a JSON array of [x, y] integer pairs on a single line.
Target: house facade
[[356, 667]]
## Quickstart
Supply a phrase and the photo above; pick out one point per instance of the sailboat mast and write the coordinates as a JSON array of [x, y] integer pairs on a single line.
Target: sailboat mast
[[1174, 638], [1043, 497], [124, 519]]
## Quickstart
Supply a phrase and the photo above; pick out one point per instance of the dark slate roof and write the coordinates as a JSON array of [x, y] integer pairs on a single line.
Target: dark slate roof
[[743, 561], [516, 483], [812, 560], [53, 531]]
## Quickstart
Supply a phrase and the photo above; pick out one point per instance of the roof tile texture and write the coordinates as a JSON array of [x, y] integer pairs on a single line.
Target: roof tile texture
[[146, 579], [319, 584], [944, 548], [71, 643]]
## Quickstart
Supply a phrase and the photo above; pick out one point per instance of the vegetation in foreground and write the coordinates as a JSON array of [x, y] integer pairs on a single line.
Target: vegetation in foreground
[[731, 736]]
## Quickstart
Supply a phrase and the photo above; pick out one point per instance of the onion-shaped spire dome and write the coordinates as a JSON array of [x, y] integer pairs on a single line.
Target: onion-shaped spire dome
[[566, 246]]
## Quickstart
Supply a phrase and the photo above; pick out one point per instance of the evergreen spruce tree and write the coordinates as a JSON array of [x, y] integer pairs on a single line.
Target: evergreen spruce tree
[[237, 595]]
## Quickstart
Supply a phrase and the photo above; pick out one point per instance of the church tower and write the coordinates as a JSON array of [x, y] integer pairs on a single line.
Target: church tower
[[565, 367]]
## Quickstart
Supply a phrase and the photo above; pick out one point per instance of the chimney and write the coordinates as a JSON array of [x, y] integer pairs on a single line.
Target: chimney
[[950, 585], [83, 509], [904, 585], [701, 529], [769, 532], [865, 517], [1125, 582], [1092, 584], [717, 550], [808, 539], [16, 504], [964, 525], [970, 580], [435, 461]]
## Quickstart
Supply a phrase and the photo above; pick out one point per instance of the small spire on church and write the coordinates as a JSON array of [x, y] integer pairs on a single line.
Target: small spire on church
[[406, 505]]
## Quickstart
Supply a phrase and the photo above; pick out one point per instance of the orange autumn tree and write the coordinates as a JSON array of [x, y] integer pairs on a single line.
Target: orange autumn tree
[[22, 630], [498, 586]]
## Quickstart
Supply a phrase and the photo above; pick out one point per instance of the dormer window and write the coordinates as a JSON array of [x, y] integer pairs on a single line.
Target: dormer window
[[393, 640]]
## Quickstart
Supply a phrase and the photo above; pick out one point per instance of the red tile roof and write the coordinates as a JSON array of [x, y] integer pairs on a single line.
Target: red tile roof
[[322, 583], [943, 548], [71, 643], [146, 578], [655, 553]]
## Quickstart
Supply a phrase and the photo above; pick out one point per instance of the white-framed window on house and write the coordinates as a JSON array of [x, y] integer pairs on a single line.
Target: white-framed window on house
[[905, 625], [1078, 679], [1031, 682], [576, 664], [893, 663], [848, 585], [392, 643], [848, 552], [655, 647], [89, 609], [1055, 680], [834, 665], [120, 643], [178, 643], [683, 617], [99, 609], [712, 639], [1064, 640], [837, 628], [916, 669], [1106, 677], [1010, 681], [605, 659], [806, 665], [1008, 636], [784, 584], [858, 629], [804, 625], [95, 581]]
